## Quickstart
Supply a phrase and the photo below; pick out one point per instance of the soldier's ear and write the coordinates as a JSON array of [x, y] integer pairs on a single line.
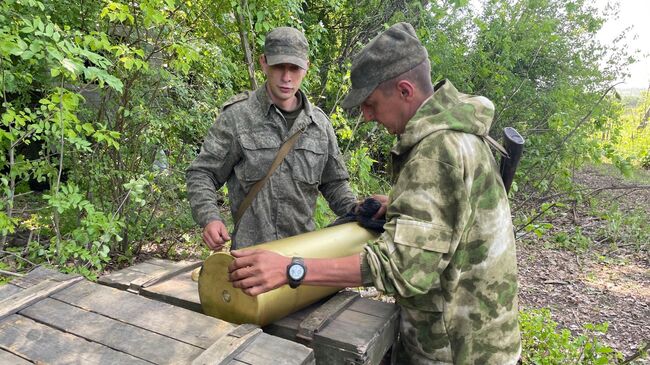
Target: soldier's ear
[[406, 89], [263, 63]]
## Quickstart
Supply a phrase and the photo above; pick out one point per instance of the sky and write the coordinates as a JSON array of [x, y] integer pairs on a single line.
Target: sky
[[632, 13]]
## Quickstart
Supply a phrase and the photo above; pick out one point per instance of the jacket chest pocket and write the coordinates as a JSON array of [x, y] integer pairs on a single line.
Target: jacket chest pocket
[[259, 149], [308, 160]]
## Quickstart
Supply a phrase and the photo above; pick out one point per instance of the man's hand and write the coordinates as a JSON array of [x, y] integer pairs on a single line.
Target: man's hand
[[215, 234], [258, 271]]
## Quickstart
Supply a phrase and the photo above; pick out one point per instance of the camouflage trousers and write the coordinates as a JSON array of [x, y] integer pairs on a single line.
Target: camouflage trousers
[[424, 339]]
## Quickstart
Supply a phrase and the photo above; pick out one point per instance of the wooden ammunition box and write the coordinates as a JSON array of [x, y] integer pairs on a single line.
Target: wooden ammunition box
[[342, 329], [52, 318]]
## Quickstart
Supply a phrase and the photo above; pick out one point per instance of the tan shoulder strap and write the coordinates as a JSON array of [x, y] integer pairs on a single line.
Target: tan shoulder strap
[[496, 145], [282, 153]]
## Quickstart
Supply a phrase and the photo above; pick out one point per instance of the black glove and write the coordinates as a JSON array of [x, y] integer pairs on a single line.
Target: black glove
[[363, 213]]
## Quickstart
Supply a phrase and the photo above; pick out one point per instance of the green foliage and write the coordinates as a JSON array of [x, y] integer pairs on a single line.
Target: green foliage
[[4, 279], [535, 221], [543, 343], [539, 62], [363, 182], [629, 228], [629, 134], [573, 241], [85, 235]]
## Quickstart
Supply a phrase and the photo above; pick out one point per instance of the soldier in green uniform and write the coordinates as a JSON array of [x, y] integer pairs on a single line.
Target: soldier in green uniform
[[243, 142], [448, 252]]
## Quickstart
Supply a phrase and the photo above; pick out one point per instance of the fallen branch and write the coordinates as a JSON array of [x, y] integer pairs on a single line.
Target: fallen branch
[[17, 256], [10, 273], [640, 352], [557, 282]]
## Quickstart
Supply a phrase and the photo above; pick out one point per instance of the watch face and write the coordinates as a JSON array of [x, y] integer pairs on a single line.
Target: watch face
[[296, 272]]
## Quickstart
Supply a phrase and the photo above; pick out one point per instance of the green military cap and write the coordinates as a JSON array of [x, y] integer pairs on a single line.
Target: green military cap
[[389, 54], [286, 45]]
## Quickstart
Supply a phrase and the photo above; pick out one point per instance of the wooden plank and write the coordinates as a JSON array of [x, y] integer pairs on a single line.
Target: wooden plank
[[172, 269], [351, 330], [122, 279], [24, 298], [161, 262], [267, 349], [324, 314], [357, 335], [374, 308], [9, 358], [8, 290], [385, 339], [117, 335], [40, 343], [179, 290], [287, 327], [165, 319], [39, 274], [229, 346], [147, 273]]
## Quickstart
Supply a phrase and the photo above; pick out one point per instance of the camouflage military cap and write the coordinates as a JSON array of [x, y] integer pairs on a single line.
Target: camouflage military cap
[[389, 54], [286, 45]]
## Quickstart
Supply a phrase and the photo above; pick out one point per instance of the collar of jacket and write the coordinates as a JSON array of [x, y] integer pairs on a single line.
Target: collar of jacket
[[446, 109], [266, 103]]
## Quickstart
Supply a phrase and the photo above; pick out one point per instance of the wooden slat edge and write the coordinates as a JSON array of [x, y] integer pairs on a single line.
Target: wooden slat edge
[[33, 294], [324, 314], [230, 345], [171, 272]]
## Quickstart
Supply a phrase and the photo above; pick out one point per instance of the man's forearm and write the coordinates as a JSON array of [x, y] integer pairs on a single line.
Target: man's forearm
[[201, 191], [257, 271], [339, 196], [339, 272]]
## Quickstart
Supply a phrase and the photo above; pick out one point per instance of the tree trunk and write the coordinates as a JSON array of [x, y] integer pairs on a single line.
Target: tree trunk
[[248, 53]]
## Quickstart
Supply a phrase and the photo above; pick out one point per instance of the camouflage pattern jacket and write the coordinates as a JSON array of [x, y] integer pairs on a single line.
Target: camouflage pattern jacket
[[448, 253], [238, 151]]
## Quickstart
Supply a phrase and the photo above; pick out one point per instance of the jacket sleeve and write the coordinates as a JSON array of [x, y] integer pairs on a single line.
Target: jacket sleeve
[[334, 184], [211, 169], [427, 213]]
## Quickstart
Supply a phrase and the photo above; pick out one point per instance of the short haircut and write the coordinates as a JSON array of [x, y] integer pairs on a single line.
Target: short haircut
[[419, 75]]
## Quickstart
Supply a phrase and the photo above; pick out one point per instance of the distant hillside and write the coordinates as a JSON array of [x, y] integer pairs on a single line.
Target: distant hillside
[[630, 96], [633, 92]]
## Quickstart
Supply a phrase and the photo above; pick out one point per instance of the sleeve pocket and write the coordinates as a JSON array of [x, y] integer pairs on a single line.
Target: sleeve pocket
[[423, 235]]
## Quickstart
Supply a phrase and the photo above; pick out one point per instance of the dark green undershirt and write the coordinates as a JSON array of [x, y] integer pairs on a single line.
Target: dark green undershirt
[[291, 117]]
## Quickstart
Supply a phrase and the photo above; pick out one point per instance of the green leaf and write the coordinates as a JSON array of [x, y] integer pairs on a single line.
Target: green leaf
[[7, 47], [70, 65]]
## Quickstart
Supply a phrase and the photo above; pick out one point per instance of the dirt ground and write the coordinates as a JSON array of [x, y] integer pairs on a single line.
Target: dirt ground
[[607, 283]]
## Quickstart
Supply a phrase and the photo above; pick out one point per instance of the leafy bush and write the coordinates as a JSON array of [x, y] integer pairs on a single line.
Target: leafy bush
[[544, 344]]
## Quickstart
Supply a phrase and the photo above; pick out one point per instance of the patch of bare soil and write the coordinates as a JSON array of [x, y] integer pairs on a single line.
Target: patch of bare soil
[[610, 282]]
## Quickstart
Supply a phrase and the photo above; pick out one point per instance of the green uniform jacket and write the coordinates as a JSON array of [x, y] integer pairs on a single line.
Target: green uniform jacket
[[238, 151], [448, 253]]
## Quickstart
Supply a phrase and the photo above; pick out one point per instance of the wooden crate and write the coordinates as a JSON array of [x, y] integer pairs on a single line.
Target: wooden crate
[[343, 329], [47, 317]]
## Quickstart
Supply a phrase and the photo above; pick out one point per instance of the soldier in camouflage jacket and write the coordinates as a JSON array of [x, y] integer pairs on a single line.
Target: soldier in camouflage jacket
[[448, 252], [242, 144]]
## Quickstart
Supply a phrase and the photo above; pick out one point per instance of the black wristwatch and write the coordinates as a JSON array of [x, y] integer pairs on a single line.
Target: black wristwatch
[[296, 271]]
